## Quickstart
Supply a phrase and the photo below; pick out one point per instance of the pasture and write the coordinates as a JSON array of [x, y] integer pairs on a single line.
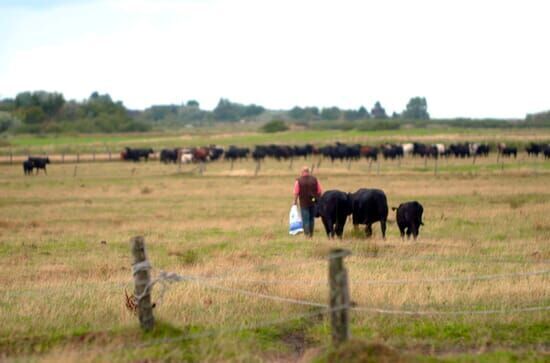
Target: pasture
[[65, 262]]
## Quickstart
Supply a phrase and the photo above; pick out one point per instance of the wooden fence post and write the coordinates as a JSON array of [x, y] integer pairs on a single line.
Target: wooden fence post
[[77, 157], [339, 296], [142, 279], [11, 157]]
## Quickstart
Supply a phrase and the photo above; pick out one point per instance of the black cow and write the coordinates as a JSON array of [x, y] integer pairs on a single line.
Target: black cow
[[27, 167], [482, 150], [547, 152], [136, 154], [334, 207], [534, 149], [39, 163], [169, 155], [369, 206], [234, 153], [409, 218], [508, 151], [460, 150], [369, 152], [259, 153], [216, 152]]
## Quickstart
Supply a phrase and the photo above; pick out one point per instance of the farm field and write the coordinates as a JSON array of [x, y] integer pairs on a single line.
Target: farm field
[[65, 259], [101, 143]]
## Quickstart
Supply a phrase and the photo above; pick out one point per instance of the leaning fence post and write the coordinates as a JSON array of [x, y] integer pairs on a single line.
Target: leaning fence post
[[339, 296], [142, 280]]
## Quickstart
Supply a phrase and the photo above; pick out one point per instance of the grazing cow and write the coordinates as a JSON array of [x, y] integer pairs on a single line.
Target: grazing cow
[[547, 152], [440, 148], [369, 206], [201, 154], [216, 152], [234, 153], [369, 152], [424, 150], [392, 151], [409, 218], [460, 150], [408, 148], [136, 154], [39, 163], [508, 151], [169, 156], [186, 156], [304, 151], [482, 150], [27, 167], [259, 153], [534, 149], [334, 207]]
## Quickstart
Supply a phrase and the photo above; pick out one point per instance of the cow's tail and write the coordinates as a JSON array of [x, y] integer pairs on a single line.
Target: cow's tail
[[394, 208]]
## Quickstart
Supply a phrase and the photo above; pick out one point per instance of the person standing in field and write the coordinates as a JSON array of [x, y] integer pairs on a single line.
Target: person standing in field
[[307, 189]]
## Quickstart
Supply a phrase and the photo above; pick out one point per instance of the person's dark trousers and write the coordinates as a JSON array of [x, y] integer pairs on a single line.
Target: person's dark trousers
[[308, 220]]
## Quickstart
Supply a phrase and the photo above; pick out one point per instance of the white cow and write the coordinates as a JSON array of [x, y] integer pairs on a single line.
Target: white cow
[[408, 148]]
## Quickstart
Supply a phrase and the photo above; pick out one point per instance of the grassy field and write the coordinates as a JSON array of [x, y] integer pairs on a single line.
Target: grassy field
[[52, 144], [63, 289]]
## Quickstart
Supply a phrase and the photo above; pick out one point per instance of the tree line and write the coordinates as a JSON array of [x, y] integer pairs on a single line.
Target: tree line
[[50, 112]]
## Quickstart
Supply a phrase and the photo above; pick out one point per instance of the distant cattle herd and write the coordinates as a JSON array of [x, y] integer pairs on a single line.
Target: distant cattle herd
[[337, 151]]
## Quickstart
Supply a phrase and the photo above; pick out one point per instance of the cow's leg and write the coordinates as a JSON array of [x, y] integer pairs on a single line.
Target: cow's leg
[[383, 228], [368, 230], [45, 172], [402, 232], [340, 223], [327, 225], [415, 231], [409, 231]]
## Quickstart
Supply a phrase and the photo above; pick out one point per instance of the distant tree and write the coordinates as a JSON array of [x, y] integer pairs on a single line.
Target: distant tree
[[229, 111], [297, 113], [24, 99], [417, 109], [226, 111], [363, 113], [395, 115], [252, 110], [378, 111], [353, 115], [32, 115], [331, 113], [192, 103], [7, 104], [304, 114]]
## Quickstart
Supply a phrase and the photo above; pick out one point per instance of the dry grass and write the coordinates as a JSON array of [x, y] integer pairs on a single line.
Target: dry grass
[[59, 280]]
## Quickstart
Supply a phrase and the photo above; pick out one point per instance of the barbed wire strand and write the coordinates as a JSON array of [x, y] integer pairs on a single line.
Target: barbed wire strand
[[459, 312], [388, 282], [363, 308]]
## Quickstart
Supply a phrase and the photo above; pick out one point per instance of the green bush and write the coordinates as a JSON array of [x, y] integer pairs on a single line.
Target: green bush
[[275, 126]]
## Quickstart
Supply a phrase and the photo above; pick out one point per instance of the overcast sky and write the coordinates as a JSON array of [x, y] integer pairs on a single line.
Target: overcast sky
[[472, 58]]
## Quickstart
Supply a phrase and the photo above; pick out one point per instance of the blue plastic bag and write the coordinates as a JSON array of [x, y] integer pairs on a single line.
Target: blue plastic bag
[[295, 221]]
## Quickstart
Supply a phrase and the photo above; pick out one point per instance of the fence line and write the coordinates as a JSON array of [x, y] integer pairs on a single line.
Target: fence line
[[390, 282], [458, 312], [173, 277]]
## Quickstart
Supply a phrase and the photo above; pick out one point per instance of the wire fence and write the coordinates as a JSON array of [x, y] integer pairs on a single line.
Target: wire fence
[[166, 279]]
